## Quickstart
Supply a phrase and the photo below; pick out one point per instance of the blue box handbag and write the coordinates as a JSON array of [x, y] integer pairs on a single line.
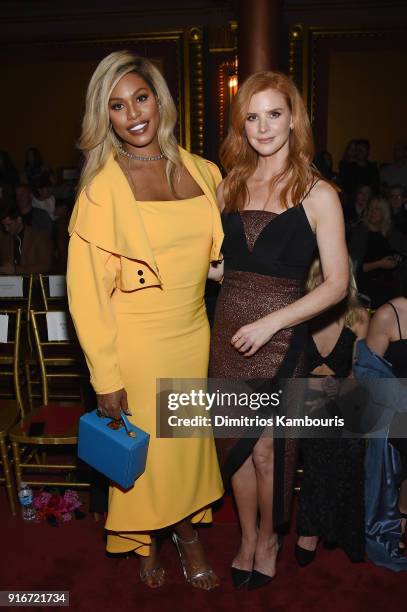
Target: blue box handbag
[[117, 449]]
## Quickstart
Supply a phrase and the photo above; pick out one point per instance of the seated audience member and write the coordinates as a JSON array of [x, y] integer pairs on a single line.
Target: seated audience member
[[23, 250], [373, 255], [355, 215], [362, 171], [43, 198], [387, 337], [384, 397], [8, 172], [65, 187], [395, 173], [6, 192], [355, 210], [34, 217], [34, 167], [348, 157]]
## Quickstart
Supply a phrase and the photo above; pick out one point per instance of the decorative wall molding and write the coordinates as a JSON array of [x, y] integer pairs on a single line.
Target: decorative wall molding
[[309, 51], [179, 53]]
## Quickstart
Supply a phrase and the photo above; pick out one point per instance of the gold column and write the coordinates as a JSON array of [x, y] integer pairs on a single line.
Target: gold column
[[195, 93], [295, 57], [259, 36]]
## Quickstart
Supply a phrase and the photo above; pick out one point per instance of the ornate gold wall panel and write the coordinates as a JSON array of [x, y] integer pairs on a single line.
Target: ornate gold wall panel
[[313, 53], [178, 53], [223, 49]]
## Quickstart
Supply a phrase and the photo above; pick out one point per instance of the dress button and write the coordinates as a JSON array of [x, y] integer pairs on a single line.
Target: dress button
[[142, 281], [140, 272]]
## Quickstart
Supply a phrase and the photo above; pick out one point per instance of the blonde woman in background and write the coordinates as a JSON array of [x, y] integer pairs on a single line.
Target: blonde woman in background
[[143, 231], [331, 499], [373, 255]]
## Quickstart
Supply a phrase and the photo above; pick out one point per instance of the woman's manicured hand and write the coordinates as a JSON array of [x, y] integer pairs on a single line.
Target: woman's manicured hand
[[216, 271], [249, 338]]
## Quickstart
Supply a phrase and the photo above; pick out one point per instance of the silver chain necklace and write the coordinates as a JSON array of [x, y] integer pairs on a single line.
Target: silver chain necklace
[[142, 158]]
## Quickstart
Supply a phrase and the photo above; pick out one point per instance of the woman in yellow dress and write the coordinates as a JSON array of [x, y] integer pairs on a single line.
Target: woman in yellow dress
[[143, 232]]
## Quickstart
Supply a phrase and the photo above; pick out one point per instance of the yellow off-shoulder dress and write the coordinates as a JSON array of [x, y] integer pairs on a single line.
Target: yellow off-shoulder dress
[[141, 321]]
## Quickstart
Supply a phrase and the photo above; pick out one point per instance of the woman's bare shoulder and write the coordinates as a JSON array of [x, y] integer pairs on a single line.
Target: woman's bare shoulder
[[384, 317], [323, 193], [400, 303], [322, 205]]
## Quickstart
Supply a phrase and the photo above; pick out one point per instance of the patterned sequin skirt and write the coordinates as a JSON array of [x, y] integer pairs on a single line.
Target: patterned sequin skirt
[[244, 298]]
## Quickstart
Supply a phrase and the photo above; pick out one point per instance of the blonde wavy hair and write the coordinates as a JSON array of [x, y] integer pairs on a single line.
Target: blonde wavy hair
[[240, 160], [351, 304], [386, 211], [97, 140]]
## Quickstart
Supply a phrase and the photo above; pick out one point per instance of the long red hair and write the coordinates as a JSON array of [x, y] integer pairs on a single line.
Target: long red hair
[[239, 159]]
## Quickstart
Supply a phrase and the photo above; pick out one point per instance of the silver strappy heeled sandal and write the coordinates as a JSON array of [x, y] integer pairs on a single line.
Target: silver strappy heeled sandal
[[193, 576]]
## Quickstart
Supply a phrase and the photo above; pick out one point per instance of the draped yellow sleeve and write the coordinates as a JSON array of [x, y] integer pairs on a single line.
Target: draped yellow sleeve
[[91, 278]]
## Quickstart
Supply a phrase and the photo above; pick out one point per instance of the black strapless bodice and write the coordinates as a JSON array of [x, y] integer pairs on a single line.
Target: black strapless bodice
[[285, 246]]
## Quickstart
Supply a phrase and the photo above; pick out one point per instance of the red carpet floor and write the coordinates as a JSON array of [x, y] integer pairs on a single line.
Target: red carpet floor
[[72, 558]]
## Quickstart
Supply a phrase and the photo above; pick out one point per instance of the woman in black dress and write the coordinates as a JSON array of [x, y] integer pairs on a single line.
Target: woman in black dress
[[331, 499], [373, 254], [387, 337], [276, 212]]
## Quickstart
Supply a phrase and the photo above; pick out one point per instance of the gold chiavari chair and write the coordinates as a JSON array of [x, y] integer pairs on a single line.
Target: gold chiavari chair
[[12, 407], [54, 423], [53, 291], [16, 291], [60, 361], [48, 293], [24, 435]]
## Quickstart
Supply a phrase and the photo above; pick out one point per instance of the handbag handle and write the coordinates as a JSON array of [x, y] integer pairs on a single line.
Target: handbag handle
[[126, 424], [125, 421]]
